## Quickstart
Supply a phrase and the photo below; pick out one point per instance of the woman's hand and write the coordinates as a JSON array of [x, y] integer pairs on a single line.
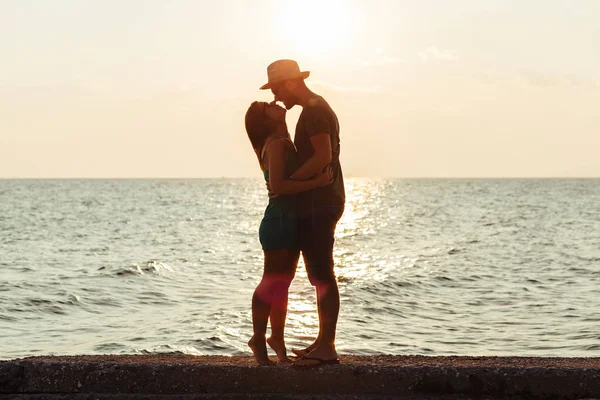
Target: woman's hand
[[325, 178]]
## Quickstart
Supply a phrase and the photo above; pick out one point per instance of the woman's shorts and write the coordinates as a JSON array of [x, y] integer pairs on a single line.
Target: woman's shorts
[[279, 232]]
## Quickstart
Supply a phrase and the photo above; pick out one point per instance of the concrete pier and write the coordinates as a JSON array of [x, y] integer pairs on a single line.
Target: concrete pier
[[356, 377]]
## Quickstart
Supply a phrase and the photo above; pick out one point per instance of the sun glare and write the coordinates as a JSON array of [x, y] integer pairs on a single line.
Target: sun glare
[[315, 27]]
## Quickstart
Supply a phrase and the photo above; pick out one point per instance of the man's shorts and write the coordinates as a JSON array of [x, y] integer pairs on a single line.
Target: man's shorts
[[316, 236]]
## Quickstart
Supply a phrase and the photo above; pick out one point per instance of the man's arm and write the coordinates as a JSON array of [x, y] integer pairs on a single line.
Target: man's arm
[[321, 144], [278, 184]]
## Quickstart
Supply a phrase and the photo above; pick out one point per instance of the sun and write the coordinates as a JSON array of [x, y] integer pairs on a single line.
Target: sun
[[315, 27]]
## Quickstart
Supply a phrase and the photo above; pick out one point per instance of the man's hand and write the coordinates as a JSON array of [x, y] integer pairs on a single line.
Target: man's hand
[[271, 194], [325, 178]]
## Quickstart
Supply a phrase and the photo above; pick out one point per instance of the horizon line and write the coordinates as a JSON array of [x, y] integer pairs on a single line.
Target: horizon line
[[260, 178]]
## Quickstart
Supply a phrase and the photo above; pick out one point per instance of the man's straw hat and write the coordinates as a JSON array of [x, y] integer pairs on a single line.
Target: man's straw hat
[[282, 70]]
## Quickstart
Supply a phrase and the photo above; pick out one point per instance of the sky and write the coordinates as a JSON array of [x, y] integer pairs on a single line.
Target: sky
[[428, 88]]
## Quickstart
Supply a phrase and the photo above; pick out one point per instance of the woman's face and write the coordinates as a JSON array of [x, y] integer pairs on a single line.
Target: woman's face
[[274, 112]]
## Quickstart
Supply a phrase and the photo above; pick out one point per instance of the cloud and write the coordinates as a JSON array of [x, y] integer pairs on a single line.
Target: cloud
[[432, 53], [541, 79], [537, 78], [380, 61]]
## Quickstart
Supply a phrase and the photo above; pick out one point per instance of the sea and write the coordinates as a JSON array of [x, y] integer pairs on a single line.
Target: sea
[[478, 267]]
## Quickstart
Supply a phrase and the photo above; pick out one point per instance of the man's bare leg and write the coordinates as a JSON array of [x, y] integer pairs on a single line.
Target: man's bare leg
[[313, 345], [328, 299], [328, 296]]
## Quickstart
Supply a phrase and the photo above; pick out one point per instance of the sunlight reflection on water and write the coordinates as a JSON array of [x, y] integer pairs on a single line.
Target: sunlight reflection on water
[[302, 313], [471, 267]]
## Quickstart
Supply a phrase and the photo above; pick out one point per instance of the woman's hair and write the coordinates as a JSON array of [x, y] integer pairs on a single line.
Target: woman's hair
[[258, 125]]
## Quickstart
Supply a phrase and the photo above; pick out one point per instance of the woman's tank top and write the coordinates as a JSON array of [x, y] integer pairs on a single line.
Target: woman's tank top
[[284, 205]]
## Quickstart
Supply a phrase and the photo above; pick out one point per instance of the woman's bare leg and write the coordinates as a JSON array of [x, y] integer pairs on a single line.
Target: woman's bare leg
[[261, 307], [287, 264]]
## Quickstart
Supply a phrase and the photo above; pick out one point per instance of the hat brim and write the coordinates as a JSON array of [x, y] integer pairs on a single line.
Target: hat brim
[[303, 75]]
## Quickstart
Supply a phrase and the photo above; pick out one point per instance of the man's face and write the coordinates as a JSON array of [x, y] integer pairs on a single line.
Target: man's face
[[282, 93]]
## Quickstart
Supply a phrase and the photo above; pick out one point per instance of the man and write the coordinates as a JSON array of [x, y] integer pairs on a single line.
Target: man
[[317, 141]]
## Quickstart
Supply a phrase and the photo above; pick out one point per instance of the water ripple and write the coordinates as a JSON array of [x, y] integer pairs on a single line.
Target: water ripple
[[467, 267]]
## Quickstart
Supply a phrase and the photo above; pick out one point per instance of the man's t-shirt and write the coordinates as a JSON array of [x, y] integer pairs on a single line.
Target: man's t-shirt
[[316, 118]]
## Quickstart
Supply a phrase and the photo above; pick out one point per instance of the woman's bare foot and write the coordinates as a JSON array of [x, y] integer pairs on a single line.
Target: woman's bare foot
[[278, 345], [259, 349]]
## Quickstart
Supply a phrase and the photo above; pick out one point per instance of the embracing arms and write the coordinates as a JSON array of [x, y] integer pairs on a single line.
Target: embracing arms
[[321, 144], [279, 183]]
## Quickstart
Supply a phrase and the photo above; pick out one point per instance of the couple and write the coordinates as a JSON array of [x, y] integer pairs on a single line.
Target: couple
[[306, 200]]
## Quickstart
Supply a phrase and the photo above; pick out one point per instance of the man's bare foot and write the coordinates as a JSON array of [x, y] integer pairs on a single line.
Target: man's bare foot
[[320, 355], [259, 349], [278, 345], [302, 352]]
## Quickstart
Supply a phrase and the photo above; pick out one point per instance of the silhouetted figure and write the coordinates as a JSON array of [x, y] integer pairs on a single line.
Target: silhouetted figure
[[317, 142], [278, 232]]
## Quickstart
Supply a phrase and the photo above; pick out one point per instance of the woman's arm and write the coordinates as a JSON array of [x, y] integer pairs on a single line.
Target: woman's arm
[[278, 182]]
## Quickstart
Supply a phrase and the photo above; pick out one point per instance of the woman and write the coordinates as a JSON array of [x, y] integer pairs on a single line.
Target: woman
[[267, 130]]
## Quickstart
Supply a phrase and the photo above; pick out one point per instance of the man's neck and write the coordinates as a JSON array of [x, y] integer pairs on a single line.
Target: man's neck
[[304, 97]]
